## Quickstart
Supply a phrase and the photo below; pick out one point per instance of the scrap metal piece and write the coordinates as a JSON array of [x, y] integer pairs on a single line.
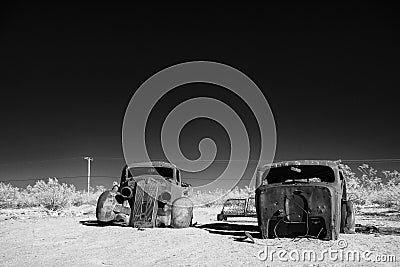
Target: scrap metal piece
[[238, 207], [144, 211]]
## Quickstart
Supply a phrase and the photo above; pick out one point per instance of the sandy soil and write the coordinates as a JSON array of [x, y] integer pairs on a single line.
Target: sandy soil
[[74, 239]]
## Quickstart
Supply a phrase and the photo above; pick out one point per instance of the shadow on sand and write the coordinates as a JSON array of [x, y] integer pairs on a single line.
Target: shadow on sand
[[236, 230], [370, 229], [96, 223]]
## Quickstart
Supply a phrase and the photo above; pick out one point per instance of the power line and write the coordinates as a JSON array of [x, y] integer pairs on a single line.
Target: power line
[[109, 158], [215, 160], [106, 176], [38, 161], [59, 178], [371, 160]]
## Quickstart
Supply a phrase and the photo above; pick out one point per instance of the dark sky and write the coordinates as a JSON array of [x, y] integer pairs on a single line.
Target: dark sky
[[68, 71]]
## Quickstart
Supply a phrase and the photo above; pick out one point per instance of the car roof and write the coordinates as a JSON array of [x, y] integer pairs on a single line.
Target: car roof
[[330, 163]]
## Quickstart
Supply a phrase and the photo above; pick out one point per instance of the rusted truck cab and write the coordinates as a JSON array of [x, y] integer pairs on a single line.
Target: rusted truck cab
[[303, 198], [151, 194]]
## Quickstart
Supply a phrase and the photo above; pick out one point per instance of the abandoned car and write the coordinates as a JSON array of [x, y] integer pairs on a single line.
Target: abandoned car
[[150, 194], [303, 198], [238, 207]]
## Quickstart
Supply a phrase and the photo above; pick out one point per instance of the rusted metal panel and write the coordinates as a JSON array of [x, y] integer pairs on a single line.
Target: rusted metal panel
[[308, 210], [300, 198]]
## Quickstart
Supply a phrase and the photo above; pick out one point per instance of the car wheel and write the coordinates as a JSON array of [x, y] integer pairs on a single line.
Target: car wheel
[[105, 207], [350, 218], [343, 217]]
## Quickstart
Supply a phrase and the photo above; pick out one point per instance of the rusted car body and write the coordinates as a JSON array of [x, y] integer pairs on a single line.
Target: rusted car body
[[238, 207], [150, 194], [303, 198]]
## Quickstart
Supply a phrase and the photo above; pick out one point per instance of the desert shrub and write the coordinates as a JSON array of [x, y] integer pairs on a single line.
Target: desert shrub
[[393, 177], [7, 194], [352, 181], [369, 188], [391, 190], [51, 195], [369, 178]]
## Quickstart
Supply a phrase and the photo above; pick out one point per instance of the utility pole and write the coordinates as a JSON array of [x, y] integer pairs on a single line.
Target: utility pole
[[89, 159]]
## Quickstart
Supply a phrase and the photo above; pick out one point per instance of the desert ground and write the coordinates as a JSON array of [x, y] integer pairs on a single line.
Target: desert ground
[[36, 237]]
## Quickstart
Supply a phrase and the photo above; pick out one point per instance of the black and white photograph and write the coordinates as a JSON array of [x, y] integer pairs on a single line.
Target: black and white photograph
[[199, 134]]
